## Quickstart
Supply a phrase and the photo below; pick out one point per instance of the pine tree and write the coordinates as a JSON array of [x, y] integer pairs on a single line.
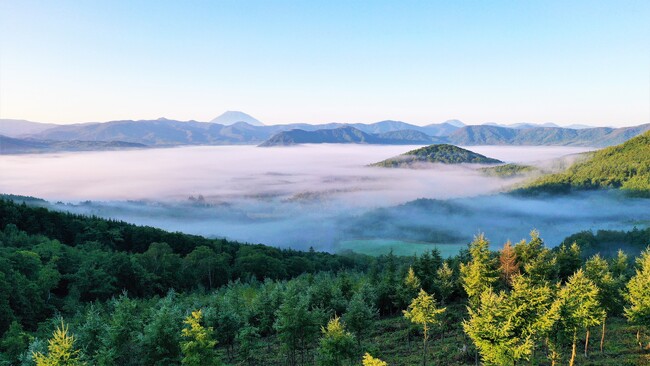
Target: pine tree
[[410, 288], [359, 316], [445, 282], [597, 270], [368, 360], [247, 337], [297, 325], [336, 345], [424, 312], [198, 344], [478, 275], [60, 349], [638, 295], [506, 327], [580, 308]]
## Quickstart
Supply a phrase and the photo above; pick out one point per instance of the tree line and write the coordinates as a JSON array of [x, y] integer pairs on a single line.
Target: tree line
[[95, 303]]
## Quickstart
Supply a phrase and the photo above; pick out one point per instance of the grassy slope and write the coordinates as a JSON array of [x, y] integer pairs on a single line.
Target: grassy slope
[[395, 341], [625, 166]]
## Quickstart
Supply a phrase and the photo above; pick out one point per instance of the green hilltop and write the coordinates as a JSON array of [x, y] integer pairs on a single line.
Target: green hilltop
[[442, 153], [625, 166]]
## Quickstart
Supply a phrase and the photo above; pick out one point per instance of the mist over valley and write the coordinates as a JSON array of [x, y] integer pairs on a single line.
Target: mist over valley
[[322, 196]]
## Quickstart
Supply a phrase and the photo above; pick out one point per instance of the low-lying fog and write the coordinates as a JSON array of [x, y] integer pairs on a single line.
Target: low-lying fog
[[311, 195]]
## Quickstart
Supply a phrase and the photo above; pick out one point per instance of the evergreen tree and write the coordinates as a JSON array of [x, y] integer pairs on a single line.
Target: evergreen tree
[[161, 335], [506, 327], [13, 343], [580, 308], [638, 295], [568, 260], [197, 344], [247, 337], [409, 288], [445, 282], [296, 325], [424, 312], [60, 349], [121, 345], [337, 345], [597, 271], [359, 316], [478, 275]]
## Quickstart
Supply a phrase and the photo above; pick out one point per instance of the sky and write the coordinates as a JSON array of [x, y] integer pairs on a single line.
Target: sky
[[281, 61]]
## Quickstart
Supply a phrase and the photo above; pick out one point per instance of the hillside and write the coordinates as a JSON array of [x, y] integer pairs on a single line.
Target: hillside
[[19, 127], [9, 145], [347, 135], [444, 154], [544, 136], [124, 294], [625, 166], [509, 170]]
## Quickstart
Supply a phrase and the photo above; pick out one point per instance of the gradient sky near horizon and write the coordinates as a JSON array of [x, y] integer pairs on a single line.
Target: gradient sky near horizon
[[324, 61]]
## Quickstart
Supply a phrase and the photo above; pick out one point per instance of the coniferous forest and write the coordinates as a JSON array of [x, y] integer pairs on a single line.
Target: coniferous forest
[[78, 290]]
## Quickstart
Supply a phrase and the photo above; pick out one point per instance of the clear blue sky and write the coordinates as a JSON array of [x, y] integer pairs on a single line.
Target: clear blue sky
[[322, 61]]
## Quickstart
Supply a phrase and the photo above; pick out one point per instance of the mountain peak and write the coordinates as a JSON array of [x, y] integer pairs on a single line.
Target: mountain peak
[[455, 122], [231, 117]]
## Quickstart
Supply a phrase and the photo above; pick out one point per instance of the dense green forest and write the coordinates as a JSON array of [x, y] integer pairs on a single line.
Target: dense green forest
[[439, 153], [625, 166], [83, 290]]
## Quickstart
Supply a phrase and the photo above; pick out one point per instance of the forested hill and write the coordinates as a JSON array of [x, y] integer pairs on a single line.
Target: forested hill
[[443, 154], [625, 166], [101, 292], [91, 258]]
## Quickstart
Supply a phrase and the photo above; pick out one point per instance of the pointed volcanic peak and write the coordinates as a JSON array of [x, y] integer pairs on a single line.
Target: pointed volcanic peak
[[441, 154], [231, 117]]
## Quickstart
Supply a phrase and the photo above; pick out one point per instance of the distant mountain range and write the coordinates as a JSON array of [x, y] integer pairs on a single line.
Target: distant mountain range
[[441, 154], [10, 145], [240, 128], [349, 135]]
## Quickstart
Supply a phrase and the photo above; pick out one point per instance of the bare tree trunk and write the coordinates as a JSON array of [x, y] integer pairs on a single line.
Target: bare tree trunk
[[602, 336], [573, 348], [587, 344], [424, 351], [638, 337]]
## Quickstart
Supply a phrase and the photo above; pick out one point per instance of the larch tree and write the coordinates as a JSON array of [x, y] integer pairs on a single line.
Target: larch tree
[[198, 343], [597, 270], [424, 312], [478, 275], [508, 265], [638, 295], [445, 282], [337, 346], [60, 350], [368, 360], [506, 326], [580, 308]]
